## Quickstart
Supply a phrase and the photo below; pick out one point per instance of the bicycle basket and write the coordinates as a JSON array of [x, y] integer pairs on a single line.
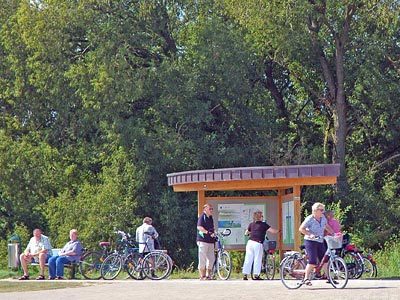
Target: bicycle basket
[[334, 242], [269, 245]]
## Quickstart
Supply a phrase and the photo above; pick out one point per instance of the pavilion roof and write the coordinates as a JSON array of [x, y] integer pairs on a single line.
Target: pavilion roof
[[254, 178]]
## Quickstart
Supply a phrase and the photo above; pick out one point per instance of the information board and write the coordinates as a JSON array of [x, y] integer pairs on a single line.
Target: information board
[[237, 218]]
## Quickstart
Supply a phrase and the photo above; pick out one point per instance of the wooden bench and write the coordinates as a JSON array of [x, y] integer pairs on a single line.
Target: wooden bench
[[72, 266]]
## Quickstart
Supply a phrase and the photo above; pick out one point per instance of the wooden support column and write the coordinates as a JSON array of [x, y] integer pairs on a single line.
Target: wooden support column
[[280, 227], [201, 201], [297, 216]]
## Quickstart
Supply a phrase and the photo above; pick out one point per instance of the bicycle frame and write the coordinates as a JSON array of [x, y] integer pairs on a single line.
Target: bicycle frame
[[222, 264]]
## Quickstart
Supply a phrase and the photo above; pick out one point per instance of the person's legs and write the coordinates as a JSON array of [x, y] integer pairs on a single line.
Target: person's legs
[[60, 262], [24, 264], [52, 267], [202, 259], [42, 262], [312, 253], [249, 257], [210, 254], [258, 253]]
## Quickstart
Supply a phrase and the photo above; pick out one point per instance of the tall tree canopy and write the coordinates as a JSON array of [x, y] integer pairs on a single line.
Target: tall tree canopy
[[100, 99]]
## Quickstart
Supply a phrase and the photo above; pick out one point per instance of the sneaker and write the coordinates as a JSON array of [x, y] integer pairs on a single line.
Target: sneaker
[[60, 278], [51, 278], [257, 278], [245, 277]]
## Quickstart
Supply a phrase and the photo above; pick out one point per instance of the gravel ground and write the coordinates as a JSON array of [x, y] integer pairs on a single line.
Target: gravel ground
[[201, 290]]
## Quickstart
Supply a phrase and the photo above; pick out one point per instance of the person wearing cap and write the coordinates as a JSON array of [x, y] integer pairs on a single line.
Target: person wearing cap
[[206, 242], [254, 247]]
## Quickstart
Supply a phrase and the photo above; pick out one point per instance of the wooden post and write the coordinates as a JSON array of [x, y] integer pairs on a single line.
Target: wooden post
[[280, 227], [297, 216], [201, 201]]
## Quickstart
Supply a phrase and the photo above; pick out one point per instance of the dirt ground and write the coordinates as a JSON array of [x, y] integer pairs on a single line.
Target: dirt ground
[[201, 290]]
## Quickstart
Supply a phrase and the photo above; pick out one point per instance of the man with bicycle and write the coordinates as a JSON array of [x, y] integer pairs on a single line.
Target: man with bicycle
[[206, 242]]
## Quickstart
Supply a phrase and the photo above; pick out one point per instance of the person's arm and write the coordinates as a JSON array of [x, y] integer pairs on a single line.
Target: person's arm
[[155, 234], [27, 251], [329, 229], [304, 230], [202, 230]]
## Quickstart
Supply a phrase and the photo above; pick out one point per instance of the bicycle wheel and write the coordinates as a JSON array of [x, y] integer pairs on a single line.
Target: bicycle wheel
[[292, 272], [90, 265], [111, 267], [134, 266], [354, 264], [337, 273], [270, 266], [359, 265], [369, 269], [224, 265], [156, 266]]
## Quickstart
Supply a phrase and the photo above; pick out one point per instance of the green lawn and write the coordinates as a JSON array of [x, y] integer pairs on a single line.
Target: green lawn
[[31, 285]]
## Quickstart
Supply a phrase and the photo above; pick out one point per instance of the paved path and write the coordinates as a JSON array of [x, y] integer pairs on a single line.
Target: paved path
[[213, 290]]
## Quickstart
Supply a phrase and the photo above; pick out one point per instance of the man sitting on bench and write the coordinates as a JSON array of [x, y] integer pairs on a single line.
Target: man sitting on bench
[[71, 252], [39, 251]]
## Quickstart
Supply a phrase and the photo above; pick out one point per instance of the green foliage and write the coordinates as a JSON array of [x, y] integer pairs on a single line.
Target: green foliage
[[388, 259], [99, 100]]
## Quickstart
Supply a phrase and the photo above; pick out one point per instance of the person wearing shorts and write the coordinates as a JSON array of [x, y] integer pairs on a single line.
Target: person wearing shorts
[[206, 242], [39, 251], [313, 228]]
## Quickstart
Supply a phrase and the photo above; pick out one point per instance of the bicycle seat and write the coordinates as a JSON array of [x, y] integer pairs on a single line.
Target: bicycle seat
[[104, 244]]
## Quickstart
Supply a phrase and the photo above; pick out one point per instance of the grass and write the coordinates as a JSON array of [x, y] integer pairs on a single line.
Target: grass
[[18, 286], [388, 261]]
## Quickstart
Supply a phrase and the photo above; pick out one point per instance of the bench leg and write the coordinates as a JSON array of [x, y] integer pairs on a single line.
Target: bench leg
[[72, 271]]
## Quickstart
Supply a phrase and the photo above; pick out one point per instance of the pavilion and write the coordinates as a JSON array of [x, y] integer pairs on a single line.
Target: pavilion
[[282, 210]]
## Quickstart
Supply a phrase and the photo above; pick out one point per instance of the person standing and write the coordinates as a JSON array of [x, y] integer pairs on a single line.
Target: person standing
[[206, 242], [313, 228], [38, 250], [145, 236], [332, 222], [71, 252], [254, 247]]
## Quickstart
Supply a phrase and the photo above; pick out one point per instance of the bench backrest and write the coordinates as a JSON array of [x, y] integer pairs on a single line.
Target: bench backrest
[[55, 251]]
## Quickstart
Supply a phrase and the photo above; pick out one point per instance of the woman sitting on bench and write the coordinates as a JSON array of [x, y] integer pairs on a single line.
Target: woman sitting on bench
[[71, 252]]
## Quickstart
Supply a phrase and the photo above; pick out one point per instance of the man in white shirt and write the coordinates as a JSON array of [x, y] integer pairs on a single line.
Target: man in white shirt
[[38, 250]]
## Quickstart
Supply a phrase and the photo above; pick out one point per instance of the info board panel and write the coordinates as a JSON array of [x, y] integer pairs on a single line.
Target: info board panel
[[237, 215]]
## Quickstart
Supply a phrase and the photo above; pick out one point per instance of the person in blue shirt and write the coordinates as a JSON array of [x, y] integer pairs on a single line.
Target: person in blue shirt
[[71, 252], [313, 228]]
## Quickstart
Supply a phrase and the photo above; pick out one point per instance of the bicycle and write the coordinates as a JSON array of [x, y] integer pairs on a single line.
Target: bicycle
[[223, 263], [268, 266], [155, 265], [292, 267], [91, 261], [122, 258], [353, 258], [370, 268]]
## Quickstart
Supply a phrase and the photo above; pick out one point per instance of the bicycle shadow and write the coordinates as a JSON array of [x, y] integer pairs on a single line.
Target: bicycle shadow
[[354, 288]]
